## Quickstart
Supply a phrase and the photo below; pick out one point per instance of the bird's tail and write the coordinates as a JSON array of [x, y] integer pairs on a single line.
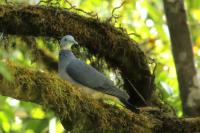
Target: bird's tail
[[129, 105]]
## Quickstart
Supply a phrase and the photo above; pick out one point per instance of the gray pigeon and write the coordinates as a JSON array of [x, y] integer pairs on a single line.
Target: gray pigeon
[[74, 70]]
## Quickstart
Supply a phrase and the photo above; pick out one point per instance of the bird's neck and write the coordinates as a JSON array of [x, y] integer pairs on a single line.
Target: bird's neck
[[66, 54], [68, 46]]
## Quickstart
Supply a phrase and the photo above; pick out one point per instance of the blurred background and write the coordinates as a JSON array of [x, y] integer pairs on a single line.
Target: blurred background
[[143, 20]]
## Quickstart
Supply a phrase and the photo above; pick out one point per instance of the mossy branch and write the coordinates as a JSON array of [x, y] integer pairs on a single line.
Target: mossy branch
[[76, 111], [79, 113], [101, 38]]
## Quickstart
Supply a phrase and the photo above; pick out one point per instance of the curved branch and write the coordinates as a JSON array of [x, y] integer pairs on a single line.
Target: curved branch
[[79, 113], [100, 38], [72, 107]]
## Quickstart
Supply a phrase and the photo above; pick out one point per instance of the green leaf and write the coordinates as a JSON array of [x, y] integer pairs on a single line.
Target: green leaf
[[5, 72]]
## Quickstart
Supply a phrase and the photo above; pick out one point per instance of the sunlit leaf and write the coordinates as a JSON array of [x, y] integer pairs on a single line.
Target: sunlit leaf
[[5, 72]]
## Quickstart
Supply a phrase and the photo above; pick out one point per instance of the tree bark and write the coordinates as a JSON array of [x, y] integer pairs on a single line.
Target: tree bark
[[76, 111], [100, 38], [183, 54], [80, 113]]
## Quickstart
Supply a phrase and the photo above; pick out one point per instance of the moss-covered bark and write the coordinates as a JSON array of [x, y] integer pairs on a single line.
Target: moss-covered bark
[[76, 111], [80, 113], [101, 38]]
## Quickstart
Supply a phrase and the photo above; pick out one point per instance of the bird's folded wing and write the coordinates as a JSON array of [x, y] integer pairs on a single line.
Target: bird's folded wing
[[90, 77]]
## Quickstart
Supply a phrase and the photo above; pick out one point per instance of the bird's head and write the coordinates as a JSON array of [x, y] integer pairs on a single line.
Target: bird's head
[[67, 41]]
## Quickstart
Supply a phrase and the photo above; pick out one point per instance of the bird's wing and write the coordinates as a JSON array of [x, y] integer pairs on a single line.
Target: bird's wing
[[90, 77]]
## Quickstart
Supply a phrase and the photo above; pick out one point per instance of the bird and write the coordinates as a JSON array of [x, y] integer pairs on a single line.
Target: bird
[[85, 76]]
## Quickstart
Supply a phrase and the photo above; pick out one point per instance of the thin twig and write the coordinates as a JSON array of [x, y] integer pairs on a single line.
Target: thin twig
[[138, 93], [92, 14], [118, 7], [135, 34], [113, 11]]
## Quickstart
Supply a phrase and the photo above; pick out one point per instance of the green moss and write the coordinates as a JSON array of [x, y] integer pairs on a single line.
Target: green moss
[[97, 36], [80, 113]]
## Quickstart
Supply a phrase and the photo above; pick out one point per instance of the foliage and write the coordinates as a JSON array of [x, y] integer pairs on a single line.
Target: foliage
[[144, 20]]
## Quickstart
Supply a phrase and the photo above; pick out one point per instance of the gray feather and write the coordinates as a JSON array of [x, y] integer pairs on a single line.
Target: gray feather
[[90, 77], [76, 71]]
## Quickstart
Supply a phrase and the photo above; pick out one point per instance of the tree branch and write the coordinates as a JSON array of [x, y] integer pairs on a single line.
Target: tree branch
[[100, 38], [79, 113], [73, 108]]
